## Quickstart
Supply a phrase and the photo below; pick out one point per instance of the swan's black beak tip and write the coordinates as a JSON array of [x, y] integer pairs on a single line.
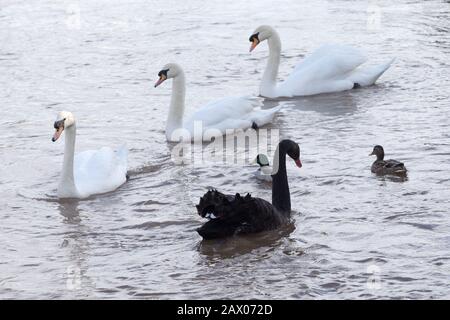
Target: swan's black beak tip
[[53, 139]]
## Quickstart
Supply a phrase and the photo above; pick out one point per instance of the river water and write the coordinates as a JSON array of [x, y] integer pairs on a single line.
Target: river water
[[353, 235]]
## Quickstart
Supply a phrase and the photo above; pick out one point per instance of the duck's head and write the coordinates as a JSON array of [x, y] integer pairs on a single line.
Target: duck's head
[[170, 70], [260, 34], [262, 160], [213, 205], [64, 120], [378, 151]]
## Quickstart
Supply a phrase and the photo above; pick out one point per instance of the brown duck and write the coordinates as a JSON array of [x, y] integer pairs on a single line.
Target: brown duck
[[382, 167]]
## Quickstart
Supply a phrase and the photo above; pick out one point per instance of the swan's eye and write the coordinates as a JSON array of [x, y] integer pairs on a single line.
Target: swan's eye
[[254, 37], [59, 123], [163, 73]]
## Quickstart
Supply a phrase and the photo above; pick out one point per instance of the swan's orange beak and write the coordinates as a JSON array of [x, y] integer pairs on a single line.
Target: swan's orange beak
[[298, 163], [255, 42], [57, 133], [162, 78]]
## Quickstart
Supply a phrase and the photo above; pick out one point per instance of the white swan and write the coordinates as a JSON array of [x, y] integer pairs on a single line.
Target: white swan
[[89, 172], [216, 118], [331, 68]]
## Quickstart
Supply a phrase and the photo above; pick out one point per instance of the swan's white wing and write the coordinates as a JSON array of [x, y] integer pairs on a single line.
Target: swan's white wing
[[100, 171], [346, 58], [220, 110], [229, 126], [366, 76], [326, 70], [262, 116], [230, 113], [227, 115]]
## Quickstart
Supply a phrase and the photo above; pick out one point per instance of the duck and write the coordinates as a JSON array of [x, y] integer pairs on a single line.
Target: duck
[[264, 172], [89, 172], [383, 167], [216, 118], [331, 68], [230, 215]]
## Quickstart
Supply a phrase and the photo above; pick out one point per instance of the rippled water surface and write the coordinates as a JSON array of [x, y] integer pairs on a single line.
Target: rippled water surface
[[354, 235]]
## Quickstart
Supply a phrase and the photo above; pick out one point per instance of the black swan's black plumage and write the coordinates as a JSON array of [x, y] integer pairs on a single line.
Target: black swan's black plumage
[[382, 167], [236, 214]]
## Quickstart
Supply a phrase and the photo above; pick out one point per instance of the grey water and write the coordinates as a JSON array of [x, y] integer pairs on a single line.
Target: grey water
[[353, 235]]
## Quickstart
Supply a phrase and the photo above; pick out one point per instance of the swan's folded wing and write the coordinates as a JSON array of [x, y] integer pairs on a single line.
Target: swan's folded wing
[[263, 116], [236, 215], [326, 70], [220, 110], [100, 171], [258, 116], [366, 76], [341, 58]]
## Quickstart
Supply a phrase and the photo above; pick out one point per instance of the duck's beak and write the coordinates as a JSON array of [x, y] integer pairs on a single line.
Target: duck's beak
[[255, 42], [298, 163], [253, 161], [371, 154], [162, 78], [57, 133]]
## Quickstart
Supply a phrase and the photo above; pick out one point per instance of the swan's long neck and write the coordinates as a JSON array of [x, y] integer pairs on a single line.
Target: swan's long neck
[[67, 186], [269, 79], [176, 111], [281, 197]]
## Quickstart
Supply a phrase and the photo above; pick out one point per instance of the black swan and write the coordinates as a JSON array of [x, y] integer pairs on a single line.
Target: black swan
[[235, 214], [382, 167]]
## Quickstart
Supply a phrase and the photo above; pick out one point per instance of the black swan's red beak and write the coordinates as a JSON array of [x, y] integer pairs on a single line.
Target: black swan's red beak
[[298, 163]]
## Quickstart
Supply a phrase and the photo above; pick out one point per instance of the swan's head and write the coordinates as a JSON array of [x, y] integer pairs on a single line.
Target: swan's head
[[260, 34], [262, 160], [64, 120], [293, 150], [170, 70]]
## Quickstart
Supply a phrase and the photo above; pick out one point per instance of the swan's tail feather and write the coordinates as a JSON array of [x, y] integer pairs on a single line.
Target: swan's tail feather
[[368, 76], [263, 117], [381, 69]]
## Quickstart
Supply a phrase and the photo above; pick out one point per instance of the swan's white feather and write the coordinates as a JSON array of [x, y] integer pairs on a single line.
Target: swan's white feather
[[331, 68], [366, 76], [340, 59], [100, 171], [230, 114]]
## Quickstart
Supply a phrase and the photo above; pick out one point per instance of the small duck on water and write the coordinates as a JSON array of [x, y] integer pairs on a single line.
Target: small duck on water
[[382, 167], [264, 172]]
